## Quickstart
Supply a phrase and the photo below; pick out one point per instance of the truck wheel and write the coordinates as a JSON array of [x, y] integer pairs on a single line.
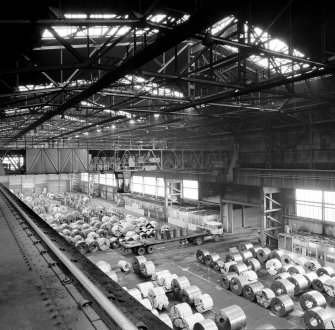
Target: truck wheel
[[150, 249], [216, 238], [199, 241], [141, 251]]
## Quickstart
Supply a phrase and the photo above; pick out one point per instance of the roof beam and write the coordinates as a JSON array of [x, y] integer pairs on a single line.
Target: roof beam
[[197, 23]]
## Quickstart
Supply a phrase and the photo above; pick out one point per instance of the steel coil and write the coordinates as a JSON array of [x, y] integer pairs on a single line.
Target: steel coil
[[155, 311], [301, 261], [136, 263], [272, 266], [201, 254], [147, 268], [318, 284], [180, 311], [296, 270], [227, 265], [312, 265], [178, 284], [245, 246], [263, 254], [264, 297], [288, 258], [284, 268], [112, 275], [158, 298], [144, 288], [250, 275], [160, 278], [325, 270], [254, 250], [206, 324], [81, 246], [312, 299], [124, 265], [146, 303], [211, 258], [188, 322], [203, 303], [237, 283], [168, 282], [310, 277], [253, 264], [232, 318], [92, 245], [166, 319], [329, 287], [104, 266], [300, 283], [282, 305], [238, 268], [136, 293], [225, 280], [250, 290], [282, 287], [236, 256], [246, 255], [276, 254], [159, 273], [219, 265], [318, 317], [188, 294]]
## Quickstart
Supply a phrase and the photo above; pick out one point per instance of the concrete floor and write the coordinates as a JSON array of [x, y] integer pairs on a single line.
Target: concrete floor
[[182, 261]]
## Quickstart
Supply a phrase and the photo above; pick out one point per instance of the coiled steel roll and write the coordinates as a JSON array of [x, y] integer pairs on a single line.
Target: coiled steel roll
[[219, 265], [178, 284], [284, 268], [166, 319], [310, 277], [136, 263], [211, 258], [238, 268], [253, 264], [104, 266], [136, 293], [312, 265], [237, 283], [263, 254], [296, 270], [317, 318], [203, 303], [250, 290], [264, 297], [325, 270], [288, 258], [188, 322], [228, 264], [147, 268], [92, 245], [188, 294], [146, 303], [168, 282], [276, 254], [232, 318], [282, 305], [206, 324], [160, 273], [300, 283], [330, 324], [272, 266], [201, 254], [180, 311], [318, 284], [250, 275], [144, 288], [112, 275], [254, 250], [158, 298], [124, 265], [236, 256], [225, 280], [245, 246], [246, 255], [284, 286], [329, 287], [81, 246], [312, 299]]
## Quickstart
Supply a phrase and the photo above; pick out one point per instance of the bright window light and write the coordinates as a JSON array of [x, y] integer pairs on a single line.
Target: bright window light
[[102, 16], [80, 16], [190, 189]]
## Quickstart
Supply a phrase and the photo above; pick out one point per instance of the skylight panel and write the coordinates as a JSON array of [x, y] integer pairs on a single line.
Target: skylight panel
[[157, 18], [222, 24], [76, 16], [102, 16]]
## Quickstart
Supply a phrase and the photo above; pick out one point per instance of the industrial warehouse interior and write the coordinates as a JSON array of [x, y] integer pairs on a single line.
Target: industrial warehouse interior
[[167, 165]]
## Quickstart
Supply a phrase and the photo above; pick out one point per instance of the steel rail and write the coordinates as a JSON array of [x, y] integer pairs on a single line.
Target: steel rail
[[120, 319]]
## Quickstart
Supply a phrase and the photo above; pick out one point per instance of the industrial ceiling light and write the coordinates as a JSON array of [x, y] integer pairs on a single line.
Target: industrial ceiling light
[[77, 136], [86, 133], [156, 115]]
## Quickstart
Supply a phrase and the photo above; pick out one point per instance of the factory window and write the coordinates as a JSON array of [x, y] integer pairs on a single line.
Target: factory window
[[160, 187], [137, 184], [149, 185], [309, 203], [329, 204], [84, 177], [110, 180], [190, 189], [102, 178]]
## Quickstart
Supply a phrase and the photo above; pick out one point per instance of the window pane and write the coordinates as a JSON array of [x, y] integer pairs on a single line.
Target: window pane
[[110, 180], [330, 197], [137, 187], [160, 191], [102, 179], [309, 195], [150, 190], [307, 210], [190, 193], [84, 176], [330, 212], [160, 182], [137, 179], [149, 180], [190, 184]]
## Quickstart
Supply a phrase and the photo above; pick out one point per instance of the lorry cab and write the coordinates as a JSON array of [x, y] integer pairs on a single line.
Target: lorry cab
[[214, 227]]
